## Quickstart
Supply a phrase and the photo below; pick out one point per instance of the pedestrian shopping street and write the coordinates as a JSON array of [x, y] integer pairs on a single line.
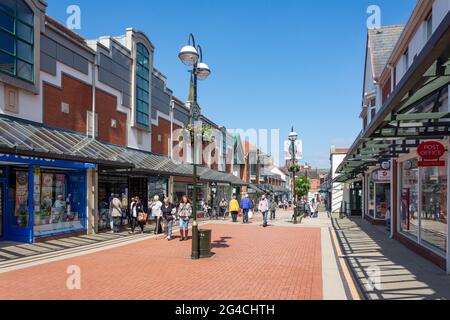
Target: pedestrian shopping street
[[157, 154], [249, 263]]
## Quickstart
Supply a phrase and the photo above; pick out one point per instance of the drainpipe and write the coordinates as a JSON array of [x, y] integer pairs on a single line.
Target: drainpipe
[[94, 101], [172, 108]]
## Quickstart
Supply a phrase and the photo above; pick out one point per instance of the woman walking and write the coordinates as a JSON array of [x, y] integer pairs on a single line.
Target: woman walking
[[155, 206], [137, 216], [168, 212], [234, 208], [223, 208], [184, 213]]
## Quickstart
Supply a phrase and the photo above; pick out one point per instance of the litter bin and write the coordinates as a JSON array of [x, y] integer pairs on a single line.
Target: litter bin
[[205, 243]]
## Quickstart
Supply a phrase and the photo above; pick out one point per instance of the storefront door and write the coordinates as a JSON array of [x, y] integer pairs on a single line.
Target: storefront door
[[356, 199]]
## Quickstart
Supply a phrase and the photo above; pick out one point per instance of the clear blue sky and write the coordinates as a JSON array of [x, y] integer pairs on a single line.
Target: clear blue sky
[[276, 63]]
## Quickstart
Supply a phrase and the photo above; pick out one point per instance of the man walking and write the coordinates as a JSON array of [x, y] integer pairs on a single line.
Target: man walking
[[264, 209], [246, 206]]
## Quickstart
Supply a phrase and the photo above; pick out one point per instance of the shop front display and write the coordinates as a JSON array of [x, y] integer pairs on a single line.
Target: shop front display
[[42, 198], [423, 204], [58, 201]]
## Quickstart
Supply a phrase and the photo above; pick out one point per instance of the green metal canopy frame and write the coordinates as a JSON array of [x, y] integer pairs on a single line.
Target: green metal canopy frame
[[412, 113]]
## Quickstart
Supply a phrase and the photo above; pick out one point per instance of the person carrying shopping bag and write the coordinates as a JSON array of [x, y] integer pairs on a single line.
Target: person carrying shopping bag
[[137, 215], [246, 206]]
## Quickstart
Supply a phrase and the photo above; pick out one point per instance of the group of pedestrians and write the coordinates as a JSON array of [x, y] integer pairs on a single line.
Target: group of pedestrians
[[164, 213], [246, 207]]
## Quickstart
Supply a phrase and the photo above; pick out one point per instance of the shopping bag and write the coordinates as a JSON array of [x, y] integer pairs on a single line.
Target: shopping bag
[[250, 214], [142, 217]]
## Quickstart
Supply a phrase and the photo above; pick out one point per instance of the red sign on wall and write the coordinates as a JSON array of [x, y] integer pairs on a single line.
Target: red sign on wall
[[435, 163], [431, 152]]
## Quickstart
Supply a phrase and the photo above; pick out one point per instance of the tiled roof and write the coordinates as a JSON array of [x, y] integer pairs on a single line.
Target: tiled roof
[[381, 43]]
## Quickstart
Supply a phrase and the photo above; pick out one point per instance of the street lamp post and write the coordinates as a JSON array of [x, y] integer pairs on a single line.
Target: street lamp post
[[190, 56], [293, 138]]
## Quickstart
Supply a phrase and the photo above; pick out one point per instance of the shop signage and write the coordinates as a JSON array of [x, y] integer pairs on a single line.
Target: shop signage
[[431, 152], [384, 175], [386, 165], [37, 161], [435, 163]]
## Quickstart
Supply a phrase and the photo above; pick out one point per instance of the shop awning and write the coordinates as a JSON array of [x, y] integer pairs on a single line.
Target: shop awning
[[24, 138], [207, 174], [280, 189], [411, 114], [255, 188]]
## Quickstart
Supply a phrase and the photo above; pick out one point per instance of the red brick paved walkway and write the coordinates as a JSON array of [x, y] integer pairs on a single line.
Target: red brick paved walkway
[[251, 263]]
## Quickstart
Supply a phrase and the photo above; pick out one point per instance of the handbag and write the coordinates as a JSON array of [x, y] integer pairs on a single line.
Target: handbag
[[142, 217], [250, 214]]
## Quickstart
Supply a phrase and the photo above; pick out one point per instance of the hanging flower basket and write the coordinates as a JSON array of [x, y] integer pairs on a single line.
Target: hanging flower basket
[[205, 130], [294, 168]]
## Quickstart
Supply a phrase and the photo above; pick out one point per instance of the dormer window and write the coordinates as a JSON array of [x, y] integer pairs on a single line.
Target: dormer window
[[142, 85], [17, 39]]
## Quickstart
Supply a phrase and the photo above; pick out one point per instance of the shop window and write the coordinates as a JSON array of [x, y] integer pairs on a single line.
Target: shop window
[[19, 196], [433, 224], [157, 187], [371, 204], [59, 201], [423, 206], [17, 39], [409, 204]]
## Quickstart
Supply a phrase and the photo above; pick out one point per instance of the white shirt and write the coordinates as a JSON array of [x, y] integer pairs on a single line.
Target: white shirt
[[156, 209], [133, 207]]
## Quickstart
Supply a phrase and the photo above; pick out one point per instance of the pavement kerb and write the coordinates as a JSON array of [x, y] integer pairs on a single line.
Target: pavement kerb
[[353, 286]]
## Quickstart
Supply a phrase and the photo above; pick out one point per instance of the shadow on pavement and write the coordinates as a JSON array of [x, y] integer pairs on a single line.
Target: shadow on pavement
[[386, 269], [222, 243]]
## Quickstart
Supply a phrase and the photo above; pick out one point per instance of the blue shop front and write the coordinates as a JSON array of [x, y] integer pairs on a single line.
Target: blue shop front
[[41, 198]]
